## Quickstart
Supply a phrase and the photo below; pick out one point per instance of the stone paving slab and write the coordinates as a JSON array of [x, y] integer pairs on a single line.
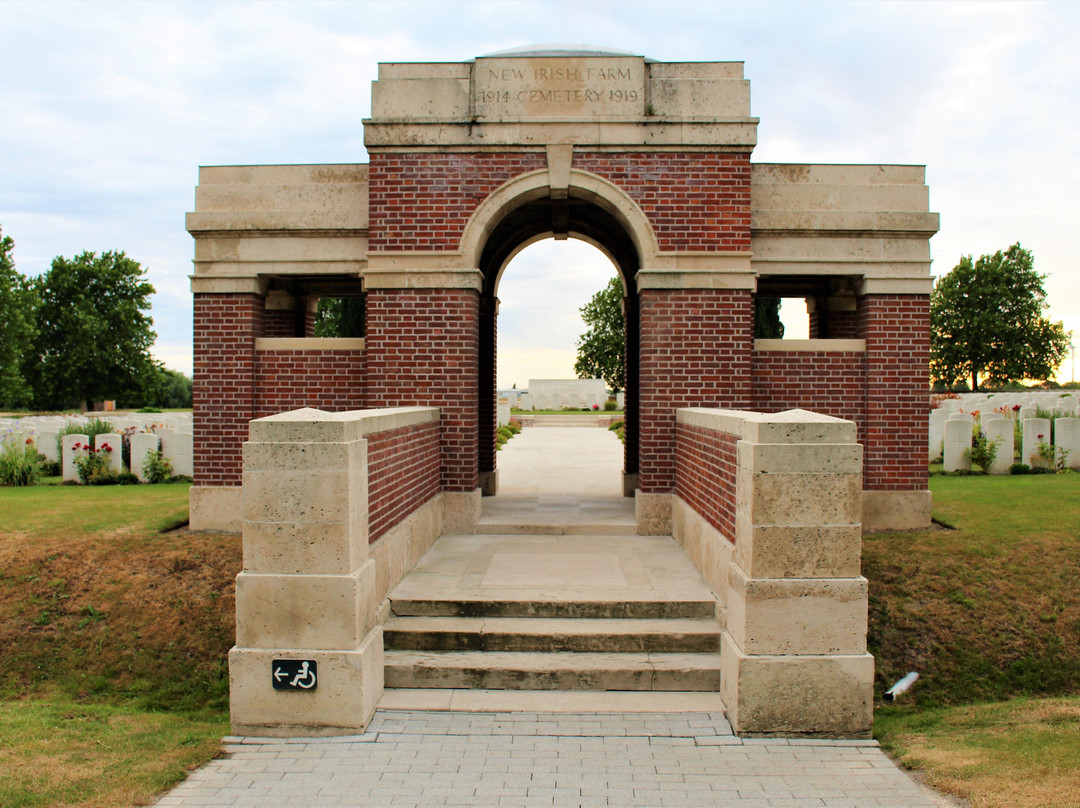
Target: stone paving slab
[[413, 758]]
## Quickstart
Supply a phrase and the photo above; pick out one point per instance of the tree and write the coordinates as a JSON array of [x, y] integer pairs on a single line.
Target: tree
[[767, 323], [986, 320], [16, 327], [93, 333], [340, 317], [601, 351]]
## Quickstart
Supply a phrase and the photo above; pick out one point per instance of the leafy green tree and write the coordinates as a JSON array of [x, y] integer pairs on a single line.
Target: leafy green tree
[[987, 322], [16, 328], [767, 324], [93, 332], [601, 351], [340, 317]]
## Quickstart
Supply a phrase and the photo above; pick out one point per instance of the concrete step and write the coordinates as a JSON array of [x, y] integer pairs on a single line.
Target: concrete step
[[623, 608], [551, 635], [507, 670]]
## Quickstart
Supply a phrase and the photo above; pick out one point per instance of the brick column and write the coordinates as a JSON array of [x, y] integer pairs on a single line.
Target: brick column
[[423, 350], [897, 333], [226, 326]]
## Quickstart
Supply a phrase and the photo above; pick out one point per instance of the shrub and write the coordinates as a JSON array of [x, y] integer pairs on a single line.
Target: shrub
[[148, 409], [1019, 468], [20, 463], [93, 465], [126, 478], [982, 452], [610, 405], [95, 426], [157, 468]]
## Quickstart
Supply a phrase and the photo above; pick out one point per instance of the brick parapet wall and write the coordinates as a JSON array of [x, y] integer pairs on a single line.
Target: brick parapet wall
[[705, 471], [225, 329], [422, 201], [827, 382], [695, 352], [403, 474], [422, 349], [696, 201], [280, 323], [897, 333], [330, 380]]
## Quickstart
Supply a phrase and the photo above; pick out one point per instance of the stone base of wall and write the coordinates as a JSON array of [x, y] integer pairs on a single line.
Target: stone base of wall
[[461, 512], [349, 687], [489, 483], [215, 507], [832, 693], [653, 513], [399, 550], [896, 510], [707, 548]]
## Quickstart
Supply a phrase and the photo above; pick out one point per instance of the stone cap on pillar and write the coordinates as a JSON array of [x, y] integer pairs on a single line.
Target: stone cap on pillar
[[790, 426], [308, 425]]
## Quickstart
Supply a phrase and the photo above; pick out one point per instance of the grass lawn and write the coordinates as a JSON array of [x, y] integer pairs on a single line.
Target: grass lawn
[[988, 614], [114, 637], [114, 632]]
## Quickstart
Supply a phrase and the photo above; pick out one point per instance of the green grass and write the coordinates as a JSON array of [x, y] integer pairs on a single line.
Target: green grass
[[60, 752], [1021, 753], [988, 614], [42, 511]]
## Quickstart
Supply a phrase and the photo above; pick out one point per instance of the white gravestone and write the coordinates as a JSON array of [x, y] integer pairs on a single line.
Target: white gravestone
[[957, 443], [115, 458], [936, 431], [1067, 438], [176, 447], [68, 470], [1000, 431], [46, 445], [142, 444], [1036, 431]]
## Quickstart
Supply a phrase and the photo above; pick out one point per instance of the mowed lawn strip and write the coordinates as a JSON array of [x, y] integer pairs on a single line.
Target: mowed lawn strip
[[988, 614], [62, 753]]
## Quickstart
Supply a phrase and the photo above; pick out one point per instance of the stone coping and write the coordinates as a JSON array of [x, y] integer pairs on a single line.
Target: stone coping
[[790, 426], [815, 345], [309, 344], [317, 426]]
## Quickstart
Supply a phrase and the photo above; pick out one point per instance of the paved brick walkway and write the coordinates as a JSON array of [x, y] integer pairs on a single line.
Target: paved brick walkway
[[409, 758]]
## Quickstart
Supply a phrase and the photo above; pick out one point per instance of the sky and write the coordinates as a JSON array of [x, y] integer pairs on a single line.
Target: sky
[[108, 108]]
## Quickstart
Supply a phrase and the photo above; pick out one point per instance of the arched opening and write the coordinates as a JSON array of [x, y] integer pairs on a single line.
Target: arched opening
[[533, 221]]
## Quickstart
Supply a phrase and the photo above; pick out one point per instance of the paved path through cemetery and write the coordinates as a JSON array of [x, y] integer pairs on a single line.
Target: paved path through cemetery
[[513, 748], [529, 759]]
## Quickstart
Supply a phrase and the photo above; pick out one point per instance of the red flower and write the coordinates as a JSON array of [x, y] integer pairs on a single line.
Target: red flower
[[29, 441], [1016, 408], [1040, 437], [106, 447]]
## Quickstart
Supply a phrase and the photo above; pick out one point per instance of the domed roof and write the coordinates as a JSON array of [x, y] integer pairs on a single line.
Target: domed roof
[[560, 49]]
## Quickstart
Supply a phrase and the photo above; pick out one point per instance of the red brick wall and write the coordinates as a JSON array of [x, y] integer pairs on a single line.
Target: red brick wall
[[695, 352], [834, 325], [897, 333], [422, 201], [422, 349], [225, 329], [403, 474], [829, 382], [705, 465], [331, 380], [695, 201], [280, 323]]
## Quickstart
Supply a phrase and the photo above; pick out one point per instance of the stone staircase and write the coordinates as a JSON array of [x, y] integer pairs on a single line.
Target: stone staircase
[[659, 644]]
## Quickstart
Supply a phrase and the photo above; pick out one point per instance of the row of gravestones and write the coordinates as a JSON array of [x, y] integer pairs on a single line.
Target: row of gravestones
[[1018, 406], [171, 435], [1043, 442]]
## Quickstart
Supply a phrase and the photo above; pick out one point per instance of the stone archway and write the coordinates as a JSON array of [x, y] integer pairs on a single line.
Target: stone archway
[[573, 213]]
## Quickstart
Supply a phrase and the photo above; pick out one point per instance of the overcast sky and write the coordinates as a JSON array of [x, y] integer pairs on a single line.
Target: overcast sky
[[108, 109]]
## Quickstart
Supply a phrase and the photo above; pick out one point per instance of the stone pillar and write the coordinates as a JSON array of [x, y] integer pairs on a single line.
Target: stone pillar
[[307, 591], [793, 653]]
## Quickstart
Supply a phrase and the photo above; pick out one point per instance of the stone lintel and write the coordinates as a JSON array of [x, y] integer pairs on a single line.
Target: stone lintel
[[810, 345], [248, 285], [791, 426], [309, 343]]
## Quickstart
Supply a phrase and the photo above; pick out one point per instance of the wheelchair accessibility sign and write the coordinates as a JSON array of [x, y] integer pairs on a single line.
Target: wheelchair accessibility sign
[[294, 674]]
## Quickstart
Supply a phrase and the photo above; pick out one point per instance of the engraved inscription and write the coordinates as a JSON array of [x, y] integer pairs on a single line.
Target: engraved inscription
[[548, 87]]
